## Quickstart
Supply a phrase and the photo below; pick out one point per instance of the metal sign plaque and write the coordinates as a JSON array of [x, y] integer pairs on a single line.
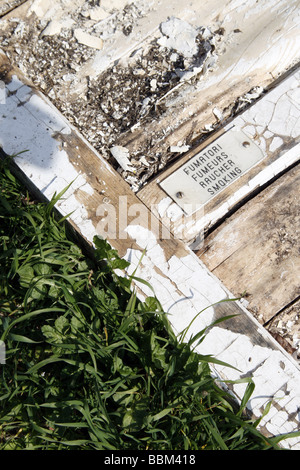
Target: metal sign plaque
[[210, 171]]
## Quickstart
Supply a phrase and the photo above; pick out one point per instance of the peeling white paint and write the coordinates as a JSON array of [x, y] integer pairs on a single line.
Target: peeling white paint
[[179, 148], [277, 113], [182, 284], [268, 122], [121, 154], [179, 35], [14, 84], [144, 238], [88, 39], [87, 188], [163, 205], [55, 26], [30, 124], [275, 144], [193, 288], [174, 212]]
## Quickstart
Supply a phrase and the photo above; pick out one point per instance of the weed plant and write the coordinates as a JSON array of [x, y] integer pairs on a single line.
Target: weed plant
[[88, 365]]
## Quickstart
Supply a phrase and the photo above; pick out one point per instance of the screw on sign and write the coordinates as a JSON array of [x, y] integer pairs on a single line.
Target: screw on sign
[[212, 169]]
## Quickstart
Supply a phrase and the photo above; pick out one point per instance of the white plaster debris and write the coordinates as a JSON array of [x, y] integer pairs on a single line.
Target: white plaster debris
[[53, 9], [144, 161], [252, 95], [163, 205], [153, 84], [218, 114], [179, 35], [179, 148], [121, 154], [174, 212], [110, 5], [55, 26], [100, 63], [98, 13], [87, 39], [41, 7]]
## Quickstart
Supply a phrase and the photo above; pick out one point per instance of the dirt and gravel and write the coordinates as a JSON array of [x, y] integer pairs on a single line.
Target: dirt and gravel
[[66, 59]]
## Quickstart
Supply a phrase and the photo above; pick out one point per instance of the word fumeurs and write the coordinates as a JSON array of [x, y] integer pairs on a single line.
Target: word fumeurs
[[213, 169]]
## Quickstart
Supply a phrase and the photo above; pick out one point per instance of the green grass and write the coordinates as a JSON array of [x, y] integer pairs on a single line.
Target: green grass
[[88, 365]]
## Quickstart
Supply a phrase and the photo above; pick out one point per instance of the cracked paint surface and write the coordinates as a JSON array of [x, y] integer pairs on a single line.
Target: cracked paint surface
[[276, 119], [193, 289], [273, 123], [29, 124], [181, 282]]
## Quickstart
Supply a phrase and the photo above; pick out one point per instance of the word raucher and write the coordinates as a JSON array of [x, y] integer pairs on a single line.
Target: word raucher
[[213, 169]]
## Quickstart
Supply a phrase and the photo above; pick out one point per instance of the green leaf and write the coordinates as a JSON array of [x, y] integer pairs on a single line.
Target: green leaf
[[57, 197], [184, 332], [28, 316], [26, 273], [22, 339], [162, 414], [41, 269], [217, 436], [248, 392]]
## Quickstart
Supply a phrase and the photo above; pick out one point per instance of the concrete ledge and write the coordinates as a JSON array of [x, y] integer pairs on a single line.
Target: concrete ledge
[[57, 155]]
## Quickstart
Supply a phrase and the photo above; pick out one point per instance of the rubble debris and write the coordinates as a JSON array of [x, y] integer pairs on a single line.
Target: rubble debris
[[98, 14], [8, 5], [179, 36], [218, 114], [111, 97], [121, 154], [245, 100], [87, 39], [55, 27], [111, 5], [179, 148], [286, 326]]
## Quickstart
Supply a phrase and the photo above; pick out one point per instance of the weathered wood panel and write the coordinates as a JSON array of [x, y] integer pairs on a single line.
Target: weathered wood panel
[[8, 5], [58, 155], [256, 250], [273, 124], [259, 44], [285, 327], [167, 95], [254, 44]]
